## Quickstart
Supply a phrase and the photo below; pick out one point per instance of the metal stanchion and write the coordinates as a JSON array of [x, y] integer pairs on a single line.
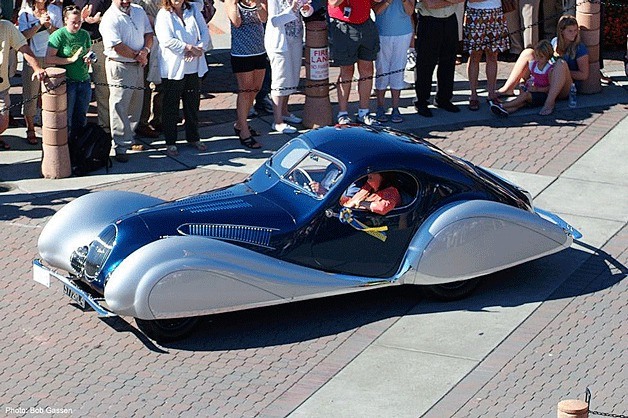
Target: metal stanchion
[[317, 109], [588, 17], [55, 163]]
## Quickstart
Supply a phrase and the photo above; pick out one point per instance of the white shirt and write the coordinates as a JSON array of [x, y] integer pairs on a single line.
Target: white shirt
[[173, 35], [116, 27], [485, 5], [284, 28], [39, 41]]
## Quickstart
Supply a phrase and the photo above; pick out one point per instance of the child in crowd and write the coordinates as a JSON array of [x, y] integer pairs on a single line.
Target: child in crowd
[[534, 92]]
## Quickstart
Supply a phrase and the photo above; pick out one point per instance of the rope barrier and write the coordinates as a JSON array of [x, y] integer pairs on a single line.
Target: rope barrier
[[301, 87]]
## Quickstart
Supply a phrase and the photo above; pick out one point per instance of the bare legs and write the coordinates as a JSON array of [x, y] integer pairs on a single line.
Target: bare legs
[[280, 108], [560, 83], [519, 71], [473, 72], [248, 84], [365, 69]]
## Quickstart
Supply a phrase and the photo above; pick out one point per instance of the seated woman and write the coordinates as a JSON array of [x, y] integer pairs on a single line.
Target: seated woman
[[571, 66], [377, 195]]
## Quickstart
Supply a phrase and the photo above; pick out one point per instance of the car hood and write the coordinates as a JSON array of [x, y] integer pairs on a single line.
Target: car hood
[[218, 214]]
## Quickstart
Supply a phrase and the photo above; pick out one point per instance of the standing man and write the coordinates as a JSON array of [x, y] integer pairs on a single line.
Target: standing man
[[523, 25], [436, 43], [10, 37], [128, 38], [353, 39], [91, 12]]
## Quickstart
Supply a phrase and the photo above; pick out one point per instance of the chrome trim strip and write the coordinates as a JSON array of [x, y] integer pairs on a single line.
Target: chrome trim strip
[[552, 217], [100, 310]]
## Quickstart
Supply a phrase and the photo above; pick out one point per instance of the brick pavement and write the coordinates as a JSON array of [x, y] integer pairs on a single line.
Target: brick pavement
[[574, 340], [267, 361]]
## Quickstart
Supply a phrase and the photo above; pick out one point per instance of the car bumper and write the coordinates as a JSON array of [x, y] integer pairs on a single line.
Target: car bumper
[[42, 274]]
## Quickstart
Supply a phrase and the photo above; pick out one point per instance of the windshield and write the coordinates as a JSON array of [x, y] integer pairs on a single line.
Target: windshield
[[305, 169]]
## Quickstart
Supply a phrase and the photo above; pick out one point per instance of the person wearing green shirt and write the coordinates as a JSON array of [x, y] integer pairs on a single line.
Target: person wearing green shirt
[[68, 48]]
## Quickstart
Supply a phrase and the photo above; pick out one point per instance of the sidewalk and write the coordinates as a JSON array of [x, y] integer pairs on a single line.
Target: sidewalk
[[528, 338]]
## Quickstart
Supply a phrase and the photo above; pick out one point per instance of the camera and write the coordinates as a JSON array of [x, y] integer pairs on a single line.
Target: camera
[[91, 55], [346, 12]]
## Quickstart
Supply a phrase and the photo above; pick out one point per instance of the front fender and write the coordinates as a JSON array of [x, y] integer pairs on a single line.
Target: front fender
[[192, 276], [79, 222]]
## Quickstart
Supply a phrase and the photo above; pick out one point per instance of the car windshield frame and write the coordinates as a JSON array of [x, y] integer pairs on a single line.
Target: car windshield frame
[[292, 155]]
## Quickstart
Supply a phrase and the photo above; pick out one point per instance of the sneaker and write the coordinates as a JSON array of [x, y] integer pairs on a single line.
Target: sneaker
[[284, 128], [368, 120], [292, 118], [395, 116], [344, 119], [380, 115], [498, 110], [410, 59], [253, 112]]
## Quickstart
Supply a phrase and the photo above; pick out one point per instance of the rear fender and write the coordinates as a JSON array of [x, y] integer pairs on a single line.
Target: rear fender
[[468, 239]]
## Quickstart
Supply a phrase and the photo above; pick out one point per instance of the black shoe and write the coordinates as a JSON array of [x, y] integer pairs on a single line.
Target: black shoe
[[122, 158], [448, 106], [422, 110]]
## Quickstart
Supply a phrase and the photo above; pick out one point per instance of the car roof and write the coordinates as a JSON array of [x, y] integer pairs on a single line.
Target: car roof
[[362, 147]]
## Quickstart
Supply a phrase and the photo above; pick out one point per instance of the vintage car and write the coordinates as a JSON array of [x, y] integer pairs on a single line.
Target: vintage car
[[272, 239]]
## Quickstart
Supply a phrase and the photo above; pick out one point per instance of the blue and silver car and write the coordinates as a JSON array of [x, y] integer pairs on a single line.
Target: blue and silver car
[[271, 239]]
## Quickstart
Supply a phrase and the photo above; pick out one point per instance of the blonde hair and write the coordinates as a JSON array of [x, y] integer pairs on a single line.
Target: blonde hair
[[544, 49], [564, 47]]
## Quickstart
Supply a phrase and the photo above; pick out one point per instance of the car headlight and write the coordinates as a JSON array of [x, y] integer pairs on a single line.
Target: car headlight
[[98, 252]]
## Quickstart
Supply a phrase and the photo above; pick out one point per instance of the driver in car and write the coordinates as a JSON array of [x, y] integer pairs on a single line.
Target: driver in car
[[377, 195]]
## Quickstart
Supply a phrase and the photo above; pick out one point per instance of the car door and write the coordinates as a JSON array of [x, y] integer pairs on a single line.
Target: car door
[[366, 244]]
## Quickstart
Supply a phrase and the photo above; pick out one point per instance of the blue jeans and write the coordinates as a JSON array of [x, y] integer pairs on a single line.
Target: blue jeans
[[79, 96]]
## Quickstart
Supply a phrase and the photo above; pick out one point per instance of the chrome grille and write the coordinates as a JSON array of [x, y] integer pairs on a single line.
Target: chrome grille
[[98, 252], [240, 233]]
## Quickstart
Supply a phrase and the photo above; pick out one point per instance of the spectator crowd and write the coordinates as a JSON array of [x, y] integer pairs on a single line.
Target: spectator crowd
[[142, 54]]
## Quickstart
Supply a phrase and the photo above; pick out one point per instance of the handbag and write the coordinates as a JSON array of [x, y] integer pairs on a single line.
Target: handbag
[[509, 6]]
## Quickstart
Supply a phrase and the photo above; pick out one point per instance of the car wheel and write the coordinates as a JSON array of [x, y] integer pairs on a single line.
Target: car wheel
[[166, 329], [454, 290]]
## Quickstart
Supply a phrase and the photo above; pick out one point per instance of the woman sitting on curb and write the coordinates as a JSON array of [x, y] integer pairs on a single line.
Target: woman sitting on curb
[[571, 66]]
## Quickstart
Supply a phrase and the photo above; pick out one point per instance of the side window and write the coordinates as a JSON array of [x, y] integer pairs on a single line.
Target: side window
[[376, 187]]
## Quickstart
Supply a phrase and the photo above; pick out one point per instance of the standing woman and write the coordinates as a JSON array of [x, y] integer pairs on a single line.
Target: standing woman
[[485, 31], [36, 21], [248, 59], [183, 39], [67, 47], [284, 45]]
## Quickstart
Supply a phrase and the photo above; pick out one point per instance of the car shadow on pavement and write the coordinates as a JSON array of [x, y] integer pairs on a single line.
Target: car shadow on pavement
[[30, 206], [536, 281]]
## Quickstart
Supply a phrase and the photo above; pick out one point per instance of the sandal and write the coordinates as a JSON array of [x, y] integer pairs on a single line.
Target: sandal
[[4, 145], [251, 130], [474, 104], [172, 150], [250, 143], [138, 147], [31, 138], [199, 145]]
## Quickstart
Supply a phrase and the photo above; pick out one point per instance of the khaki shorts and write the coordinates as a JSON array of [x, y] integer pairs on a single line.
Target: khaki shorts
[[349, 42]]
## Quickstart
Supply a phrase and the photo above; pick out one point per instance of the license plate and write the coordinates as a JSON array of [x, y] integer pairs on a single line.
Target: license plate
[[74, 296], [41, 275]]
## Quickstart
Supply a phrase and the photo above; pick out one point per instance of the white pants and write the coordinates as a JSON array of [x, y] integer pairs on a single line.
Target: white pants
[[391, 58], [526, 18]]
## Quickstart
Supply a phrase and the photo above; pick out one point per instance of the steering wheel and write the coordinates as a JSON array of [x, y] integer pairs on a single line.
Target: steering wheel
[[306, 183]]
